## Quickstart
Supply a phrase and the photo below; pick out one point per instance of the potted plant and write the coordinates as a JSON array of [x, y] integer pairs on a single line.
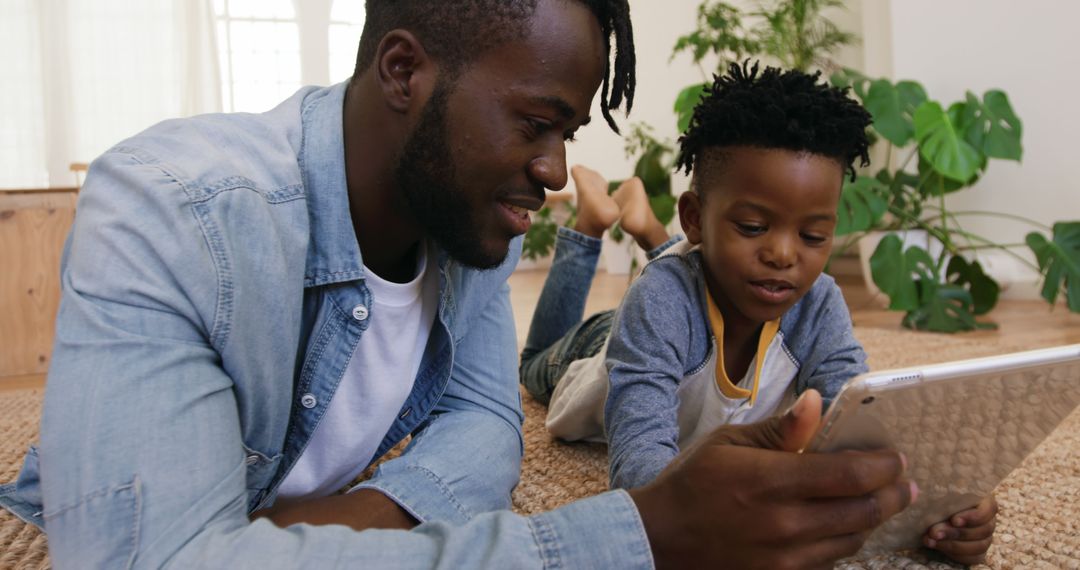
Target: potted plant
[[941, 284]]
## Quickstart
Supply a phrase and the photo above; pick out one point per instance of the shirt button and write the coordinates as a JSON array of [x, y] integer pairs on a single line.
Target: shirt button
[[308, 401], [360, 313]]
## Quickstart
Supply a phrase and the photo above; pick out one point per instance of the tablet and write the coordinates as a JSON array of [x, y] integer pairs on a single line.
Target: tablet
[[964, 426]]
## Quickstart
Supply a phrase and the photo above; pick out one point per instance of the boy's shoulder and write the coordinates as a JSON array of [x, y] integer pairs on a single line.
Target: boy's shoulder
[[821, 314], [676, 271]]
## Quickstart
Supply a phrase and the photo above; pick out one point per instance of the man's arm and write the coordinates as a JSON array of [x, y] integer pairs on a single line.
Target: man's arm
[[362, 509], [143, 463], [742, 498]]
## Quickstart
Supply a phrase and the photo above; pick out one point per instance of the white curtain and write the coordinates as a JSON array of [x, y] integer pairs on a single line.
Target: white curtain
[[80, 75]]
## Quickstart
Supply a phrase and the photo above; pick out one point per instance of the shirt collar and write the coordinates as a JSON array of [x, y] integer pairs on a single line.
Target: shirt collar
[[333, 254]]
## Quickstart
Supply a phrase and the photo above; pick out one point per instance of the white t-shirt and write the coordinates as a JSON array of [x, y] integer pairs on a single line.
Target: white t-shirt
[[376, 383]]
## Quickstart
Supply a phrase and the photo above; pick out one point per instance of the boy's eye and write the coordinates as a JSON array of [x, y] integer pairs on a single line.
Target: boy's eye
[[750, 229], [813, 239]]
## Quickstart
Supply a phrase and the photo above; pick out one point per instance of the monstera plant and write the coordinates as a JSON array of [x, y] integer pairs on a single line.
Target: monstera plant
[[945, 149]]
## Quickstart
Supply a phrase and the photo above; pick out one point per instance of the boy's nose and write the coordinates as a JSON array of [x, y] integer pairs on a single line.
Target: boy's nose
[[779, 253]]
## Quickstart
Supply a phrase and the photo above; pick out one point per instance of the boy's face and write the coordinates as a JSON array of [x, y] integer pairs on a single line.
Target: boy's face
[[765, 220]]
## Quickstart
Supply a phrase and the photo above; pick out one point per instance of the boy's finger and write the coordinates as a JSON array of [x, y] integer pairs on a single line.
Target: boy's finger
[[966, 552], [983, 513], [943, 532]]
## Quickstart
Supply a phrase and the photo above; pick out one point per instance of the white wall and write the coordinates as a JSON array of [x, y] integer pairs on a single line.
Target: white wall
[[656, 27], [1031, 50]]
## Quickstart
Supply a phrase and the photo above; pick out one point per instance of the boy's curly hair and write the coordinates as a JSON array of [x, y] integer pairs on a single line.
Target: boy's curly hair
[[777, 109]]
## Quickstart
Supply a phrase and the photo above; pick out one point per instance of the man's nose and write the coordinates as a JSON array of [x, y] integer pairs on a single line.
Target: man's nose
[[549, 169]]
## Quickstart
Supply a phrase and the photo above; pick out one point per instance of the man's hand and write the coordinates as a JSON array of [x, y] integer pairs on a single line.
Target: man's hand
[[741, 497], [361, 510], [966, 536]]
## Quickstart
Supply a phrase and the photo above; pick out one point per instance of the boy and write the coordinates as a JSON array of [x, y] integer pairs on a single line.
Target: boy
[[732, 324]]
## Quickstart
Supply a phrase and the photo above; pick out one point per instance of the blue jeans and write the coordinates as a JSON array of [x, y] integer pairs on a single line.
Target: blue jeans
[[557, 334]]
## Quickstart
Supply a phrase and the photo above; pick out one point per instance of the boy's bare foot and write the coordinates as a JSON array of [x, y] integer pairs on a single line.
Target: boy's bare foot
[[596, 211], [637, 218]]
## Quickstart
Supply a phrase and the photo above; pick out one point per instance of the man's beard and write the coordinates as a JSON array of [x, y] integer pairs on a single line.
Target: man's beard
[[425, 174]]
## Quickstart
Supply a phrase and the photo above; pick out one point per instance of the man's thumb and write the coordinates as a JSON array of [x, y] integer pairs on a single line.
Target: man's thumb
[[790, 431]]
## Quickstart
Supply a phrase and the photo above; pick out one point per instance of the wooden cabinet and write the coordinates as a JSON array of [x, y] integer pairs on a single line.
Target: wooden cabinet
[[33, 227]]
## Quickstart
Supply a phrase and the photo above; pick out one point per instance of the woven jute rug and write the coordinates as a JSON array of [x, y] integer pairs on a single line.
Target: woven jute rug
[[1038, 526]]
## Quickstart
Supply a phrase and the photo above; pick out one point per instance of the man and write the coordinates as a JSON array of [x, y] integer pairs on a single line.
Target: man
[[245, 298]]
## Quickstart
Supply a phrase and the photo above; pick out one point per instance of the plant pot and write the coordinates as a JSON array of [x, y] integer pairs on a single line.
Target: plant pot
[[869, 242]]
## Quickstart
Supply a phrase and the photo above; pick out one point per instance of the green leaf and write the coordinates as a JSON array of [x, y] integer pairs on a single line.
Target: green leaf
[[686, 102], [895, 272], [971, 277], [540, 238], [663, 207], [943, 308], [861, 205], [1005, 129], [653, 170], [934, 184], [892, 108], [942, 146], [1059, 262], [847, 77]]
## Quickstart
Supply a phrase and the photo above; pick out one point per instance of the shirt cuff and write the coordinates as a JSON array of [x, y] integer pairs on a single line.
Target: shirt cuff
[[439, 505], [604, 531]]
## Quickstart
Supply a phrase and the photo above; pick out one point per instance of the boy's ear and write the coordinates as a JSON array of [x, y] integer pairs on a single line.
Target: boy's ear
[[404, 72], [690, 216]]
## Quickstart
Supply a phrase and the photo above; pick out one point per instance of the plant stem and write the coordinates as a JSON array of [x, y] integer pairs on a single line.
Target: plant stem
[[988, 244], [932, 230], [907, 160], [944, 230], [996, 215]]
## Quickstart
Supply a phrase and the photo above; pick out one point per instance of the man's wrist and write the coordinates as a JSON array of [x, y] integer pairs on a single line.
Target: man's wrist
[[360, 510]]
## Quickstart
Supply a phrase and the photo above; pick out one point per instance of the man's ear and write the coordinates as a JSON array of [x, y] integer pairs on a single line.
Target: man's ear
[[404, 72], [690, 216]]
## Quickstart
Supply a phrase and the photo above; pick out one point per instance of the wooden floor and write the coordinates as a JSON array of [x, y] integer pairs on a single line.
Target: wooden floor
[[1023, 323]]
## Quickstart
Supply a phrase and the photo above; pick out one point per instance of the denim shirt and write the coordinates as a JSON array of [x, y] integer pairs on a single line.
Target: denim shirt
[[212, 294]]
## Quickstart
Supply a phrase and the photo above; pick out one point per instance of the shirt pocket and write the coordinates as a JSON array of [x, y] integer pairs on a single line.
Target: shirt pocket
[[261, 469]]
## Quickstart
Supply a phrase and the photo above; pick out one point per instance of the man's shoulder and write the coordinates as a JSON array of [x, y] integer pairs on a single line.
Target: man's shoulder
[[212, 153]]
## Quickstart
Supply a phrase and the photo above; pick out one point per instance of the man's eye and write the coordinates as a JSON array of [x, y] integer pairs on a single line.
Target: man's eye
[[537, 127], [751, 229]]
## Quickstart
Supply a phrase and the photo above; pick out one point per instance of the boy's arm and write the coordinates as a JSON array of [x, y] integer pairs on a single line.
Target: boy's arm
[[647, 354], [826, 342]]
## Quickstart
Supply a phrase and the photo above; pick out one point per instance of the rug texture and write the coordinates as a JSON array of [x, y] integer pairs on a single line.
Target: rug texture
[[1038, 526]]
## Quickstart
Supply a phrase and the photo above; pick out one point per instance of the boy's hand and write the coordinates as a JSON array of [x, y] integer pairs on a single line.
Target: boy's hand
[[966, 536], [741, 498]]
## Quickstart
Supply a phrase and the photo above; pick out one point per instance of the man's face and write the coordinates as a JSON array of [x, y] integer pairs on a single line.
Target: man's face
[[765, 222], [486, 146]]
